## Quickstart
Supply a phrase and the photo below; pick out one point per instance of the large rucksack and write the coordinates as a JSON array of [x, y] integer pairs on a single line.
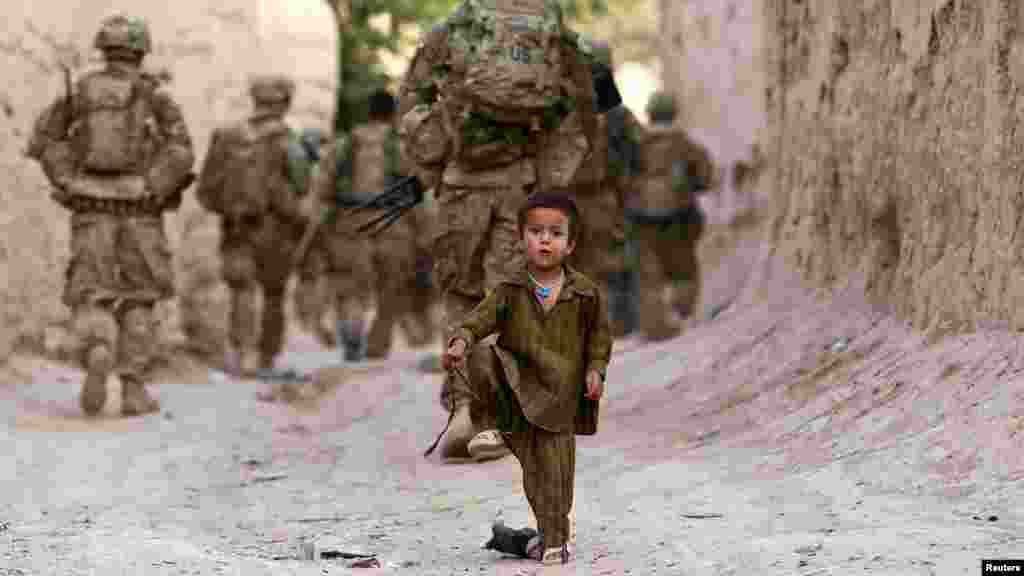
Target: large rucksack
[[507, 56], [253, 170], [367, 162], [114, 124]]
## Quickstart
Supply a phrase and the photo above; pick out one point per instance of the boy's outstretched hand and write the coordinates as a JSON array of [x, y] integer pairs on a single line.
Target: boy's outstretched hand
[[455, 355], [595, 385]]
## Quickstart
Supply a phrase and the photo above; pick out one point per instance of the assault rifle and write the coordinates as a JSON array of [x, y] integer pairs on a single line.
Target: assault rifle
[[383, 210]]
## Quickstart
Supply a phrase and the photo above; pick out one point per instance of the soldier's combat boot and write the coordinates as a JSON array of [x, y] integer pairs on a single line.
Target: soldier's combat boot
[[350, 334], [98, 364], [524, 542], [455, 443], [135, 400]]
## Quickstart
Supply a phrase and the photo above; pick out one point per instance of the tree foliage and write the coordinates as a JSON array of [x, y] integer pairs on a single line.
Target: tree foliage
[[366, 29]]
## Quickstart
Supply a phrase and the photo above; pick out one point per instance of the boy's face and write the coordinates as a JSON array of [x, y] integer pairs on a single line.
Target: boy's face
[[546, 235]]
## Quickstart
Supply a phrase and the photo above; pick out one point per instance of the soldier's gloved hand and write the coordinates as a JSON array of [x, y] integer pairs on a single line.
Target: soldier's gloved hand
[[455, 355]]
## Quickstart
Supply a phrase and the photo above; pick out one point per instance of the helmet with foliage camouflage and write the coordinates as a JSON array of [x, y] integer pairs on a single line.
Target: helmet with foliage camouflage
[[661, 108], [274, 89], [124, 32]]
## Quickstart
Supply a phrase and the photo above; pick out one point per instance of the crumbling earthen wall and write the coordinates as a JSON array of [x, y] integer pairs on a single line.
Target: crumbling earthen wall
[[209, 47], [891, 138], [713, 62], [896, 151]]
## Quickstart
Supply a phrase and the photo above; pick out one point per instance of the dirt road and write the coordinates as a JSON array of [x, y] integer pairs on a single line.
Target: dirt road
[[709, 461]]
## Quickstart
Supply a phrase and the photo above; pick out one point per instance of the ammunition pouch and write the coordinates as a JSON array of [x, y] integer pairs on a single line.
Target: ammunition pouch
[[119, 195]]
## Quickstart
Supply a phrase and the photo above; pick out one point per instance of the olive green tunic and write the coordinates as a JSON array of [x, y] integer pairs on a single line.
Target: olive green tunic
[[531, 384], [545, 356]]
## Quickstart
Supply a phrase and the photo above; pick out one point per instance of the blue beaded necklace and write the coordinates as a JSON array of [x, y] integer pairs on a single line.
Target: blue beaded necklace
[[541, 291]]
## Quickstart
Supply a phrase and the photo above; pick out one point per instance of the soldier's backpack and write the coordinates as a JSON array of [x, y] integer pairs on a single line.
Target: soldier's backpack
[[255, 155], [114, 124], [507, 56], [367, 162]]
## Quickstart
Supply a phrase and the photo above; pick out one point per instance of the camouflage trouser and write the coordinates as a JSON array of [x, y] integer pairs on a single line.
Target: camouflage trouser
[[394, 263], [668, 276], [119, 268], [257, 257], [601, 253], [419, 325], [312, 298], [477, 244], [548, 459], [349, 271]]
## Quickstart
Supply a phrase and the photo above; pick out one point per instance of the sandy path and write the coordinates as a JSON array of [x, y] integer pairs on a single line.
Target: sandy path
[[220, 483]]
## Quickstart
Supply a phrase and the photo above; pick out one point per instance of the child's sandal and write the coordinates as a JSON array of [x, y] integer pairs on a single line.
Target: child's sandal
[[556, 555]]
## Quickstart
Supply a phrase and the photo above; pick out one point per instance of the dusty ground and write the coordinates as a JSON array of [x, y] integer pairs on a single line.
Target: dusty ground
[[822, 436]]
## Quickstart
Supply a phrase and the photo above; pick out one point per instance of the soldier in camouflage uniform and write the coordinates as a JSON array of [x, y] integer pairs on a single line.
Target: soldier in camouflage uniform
[[666, 222], [602, 253], [254, 175], [118, 154], [346, 259], [376, 165], [482, 161]]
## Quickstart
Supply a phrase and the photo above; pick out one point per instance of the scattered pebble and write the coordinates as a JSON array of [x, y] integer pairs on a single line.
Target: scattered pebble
[[839, 345], [810, 549]]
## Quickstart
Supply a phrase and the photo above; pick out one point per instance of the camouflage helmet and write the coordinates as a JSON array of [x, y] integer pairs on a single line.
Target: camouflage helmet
[[271, 89], [124, 32], [661, 108]]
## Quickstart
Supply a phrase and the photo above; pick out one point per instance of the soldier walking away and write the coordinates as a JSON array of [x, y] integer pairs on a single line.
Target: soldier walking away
[[118, 154], [484, 129], [611, 170], [376, 165], [666, 221], [254, 176], [346, 259]]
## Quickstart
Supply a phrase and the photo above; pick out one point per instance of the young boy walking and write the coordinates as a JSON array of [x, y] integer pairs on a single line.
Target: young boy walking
[[540, 383]]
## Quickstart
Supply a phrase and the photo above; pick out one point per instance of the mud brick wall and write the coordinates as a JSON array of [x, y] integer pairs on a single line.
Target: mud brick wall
[[897, 151]]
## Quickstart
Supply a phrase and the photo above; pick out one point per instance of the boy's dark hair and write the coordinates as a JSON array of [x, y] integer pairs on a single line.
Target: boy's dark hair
[[382, 105], [550, 199]]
